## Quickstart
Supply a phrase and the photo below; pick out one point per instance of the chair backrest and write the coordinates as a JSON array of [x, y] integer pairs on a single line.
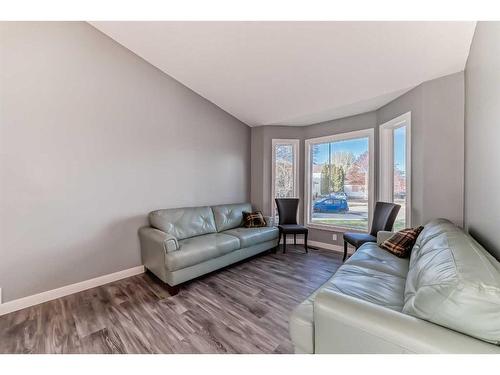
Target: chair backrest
[[384, 217], [287, 210]]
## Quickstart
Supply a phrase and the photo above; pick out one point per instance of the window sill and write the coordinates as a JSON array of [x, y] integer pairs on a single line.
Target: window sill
[[333, 228]]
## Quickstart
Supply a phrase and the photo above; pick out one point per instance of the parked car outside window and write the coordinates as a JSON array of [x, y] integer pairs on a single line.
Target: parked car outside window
[[336, 204]]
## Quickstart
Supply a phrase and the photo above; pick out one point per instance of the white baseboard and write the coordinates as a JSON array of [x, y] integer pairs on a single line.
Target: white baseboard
[[35, 299], [322, 245], [326, 246]]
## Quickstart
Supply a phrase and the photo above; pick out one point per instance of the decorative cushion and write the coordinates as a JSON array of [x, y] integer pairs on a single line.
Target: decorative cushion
[[253, 219], [401, 243]]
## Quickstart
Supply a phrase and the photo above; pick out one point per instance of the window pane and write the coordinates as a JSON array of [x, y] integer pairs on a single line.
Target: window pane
[[339, 186], [284, 172], [399, 185]]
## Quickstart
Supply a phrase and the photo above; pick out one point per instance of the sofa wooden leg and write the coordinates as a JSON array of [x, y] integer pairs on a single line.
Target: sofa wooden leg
[[305, 242], [345, 251], [172, 290], [284, 243]]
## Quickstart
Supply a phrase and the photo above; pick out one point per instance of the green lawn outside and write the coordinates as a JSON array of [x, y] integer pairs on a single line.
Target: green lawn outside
[[357, 224], [350, 224]]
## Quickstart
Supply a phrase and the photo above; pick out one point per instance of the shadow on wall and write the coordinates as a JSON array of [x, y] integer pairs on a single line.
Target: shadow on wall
[[484, 242]]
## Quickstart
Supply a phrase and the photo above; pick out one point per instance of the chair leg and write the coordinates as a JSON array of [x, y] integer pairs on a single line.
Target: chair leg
[[294, 239], [305, 242], [284, 243], [345, 251]]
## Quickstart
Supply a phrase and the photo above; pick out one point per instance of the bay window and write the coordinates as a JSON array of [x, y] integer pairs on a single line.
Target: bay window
[[339, 181]]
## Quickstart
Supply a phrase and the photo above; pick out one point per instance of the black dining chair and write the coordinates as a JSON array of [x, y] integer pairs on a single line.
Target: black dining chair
[[383, 219], [287, 211]]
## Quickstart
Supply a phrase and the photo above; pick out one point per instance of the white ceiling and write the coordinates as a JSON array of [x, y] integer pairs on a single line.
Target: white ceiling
[[298, 73]]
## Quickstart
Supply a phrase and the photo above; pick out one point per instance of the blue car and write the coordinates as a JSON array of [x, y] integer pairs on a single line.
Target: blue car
[[331, 205]]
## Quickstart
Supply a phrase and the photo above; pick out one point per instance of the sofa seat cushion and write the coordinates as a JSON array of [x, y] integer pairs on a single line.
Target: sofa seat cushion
[[253, 236], [196, 250], [366, 283], [370, 285], [454, 282], [373, 257]]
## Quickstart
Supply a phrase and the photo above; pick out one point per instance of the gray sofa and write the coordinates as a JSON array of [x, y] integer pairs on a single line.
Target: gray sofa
[[444, 299], [183, 243]]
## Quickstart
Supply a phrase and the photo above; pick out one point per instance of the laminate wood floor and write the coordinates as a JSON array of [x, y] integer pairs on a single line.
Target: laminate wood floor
[[241, 309]]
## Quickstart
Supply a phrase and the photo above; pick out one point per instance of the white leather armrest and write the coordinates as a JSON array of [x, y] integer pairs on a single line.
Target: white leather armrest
[[383, 235], [157, 238], [155, 245], [344, 324]]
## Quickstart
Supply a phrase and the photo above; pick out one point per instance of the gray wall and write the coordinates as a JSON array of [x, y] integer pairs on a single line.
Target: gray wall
[[92, 138], [482, 129], [437, 125], [437, 108]]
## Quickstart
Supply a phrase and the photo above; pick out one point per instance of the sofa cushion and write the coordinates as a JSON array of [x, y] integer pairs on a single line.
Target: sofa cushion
[[363, 282], [228, 216], [253, 236], [196, 250], [454, 282], [184, 222], [373, 257], [370, 285]]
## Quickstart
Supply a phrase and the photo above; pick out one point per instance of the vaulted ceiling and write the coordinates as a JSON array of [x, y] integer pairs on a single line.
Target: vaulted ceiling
[[298, 73]]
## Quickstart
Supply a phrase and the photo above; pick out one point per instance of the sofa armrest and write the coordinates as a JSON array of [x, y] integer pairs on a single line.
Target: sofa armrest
[[269, 221], [383, 235], [345, 324], [156, 238], [155, 245]]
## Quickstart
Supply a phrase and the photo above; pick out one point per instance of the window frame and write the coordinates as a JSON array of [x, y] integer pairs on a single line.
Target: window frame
[[364, 133], [386, 158], [296, 148]]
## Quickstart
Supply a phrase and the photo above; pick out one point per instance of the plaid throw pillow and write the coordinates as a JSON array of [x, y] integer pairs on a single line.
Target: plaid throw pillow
[[401, 243], [253, 219]]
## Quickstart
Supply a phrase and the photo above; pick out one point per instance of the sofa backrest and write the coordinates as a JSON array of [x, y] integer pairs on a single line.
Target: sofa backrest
[[454, 282], [229, 216], [184, 222]]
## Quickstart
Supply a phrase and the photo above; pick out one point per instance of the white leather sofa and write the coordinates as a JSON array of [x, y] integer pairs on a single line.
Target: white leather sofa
[[444, 299]]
